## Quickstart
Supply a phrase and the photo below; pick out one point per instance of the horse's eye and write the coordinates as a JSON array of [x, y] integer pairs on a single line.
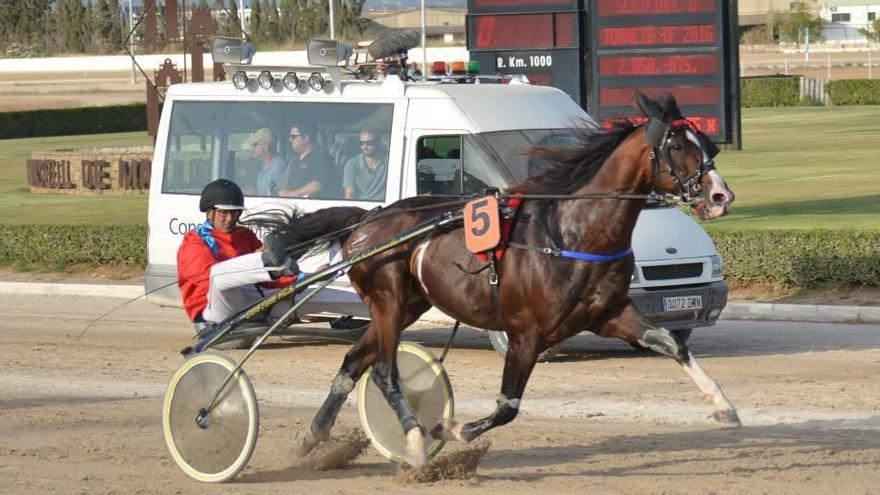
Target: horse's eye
[[677, 147]]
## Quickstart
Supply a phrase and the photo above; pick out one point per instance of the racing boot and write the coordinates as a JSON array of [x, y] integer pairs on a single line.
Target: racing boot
[[276, 259]]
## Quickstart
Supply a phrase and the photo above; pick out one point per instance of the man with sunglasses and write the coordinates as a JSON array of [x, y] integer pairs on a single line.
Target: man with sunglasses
[[364, 176], [221, 266], [310, 167], [271, 164]]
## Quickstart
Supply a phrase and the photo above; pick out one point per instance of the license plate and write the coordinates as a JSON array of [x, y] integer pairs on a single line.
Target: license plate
[[682, 303]]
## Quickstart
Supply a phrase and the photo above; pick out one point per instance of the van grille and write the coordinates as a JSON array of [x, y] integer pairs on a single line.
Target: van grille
[[666, 272]]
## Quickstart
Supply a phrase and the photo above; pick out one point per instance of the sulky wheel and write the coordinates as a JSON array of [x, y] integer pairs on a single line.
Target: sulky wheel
[[427, 389], [211, 447]]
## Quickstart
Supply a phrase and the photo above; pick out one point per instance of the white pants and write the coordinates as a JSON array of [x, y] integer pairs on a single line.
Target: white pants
[[232, 286]]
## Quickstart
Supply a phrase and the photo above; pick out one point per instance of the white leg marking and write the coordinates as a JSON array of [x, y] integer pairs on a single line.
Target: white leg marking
[[415, 448], [420, 258], [724, 410]]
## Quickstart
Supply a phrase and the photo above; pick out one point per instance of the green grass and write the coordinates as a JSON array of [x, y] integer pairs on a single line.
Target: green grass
[[804, 168], [800, 168], [18, 205]]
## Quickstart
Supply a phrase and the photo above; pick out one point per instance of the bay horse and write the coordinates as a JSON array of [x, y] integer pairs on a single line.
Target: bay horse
[[540, 300]]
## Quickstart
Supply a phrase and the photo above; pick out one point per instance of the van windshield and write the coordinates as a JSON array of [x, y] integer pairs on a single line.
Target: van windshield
[[271, 149]]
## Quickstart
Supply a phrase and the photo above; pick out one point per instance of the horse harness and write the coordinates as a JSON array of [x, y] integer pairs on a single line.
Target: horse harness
[[509, 208], [659, 134]]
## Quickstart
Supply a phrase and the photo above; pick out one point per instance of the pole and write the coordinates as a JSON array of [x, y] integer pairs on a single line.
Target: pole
[[240, 14], [331, 3], [807, 48], [425, 40], [829, 66], [131, 41], [869, 64]]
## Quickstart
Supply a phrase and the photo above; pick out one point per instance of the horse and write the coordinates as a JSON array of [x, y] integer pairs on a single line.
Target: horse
[[595, 191]]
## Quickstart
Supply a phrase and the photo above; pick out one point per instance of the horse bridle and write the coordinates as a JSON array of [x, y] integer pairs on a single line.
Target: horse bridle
[[659, 135]]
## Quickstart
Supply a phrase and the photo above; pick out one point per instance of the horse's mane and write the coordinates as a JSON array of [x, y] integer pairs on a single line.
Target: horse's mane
[[573, 166]]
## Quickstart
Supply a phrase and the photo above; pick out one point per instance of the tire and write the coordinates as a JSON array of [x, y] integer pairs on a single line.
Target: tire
[[217, 451], [428, 390], [498, 340], [681, 335]]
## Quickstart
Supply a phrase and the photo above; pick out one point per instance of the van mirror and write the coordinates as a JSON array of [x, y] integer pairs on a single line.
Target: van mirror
[[327, 52], [230, 50]]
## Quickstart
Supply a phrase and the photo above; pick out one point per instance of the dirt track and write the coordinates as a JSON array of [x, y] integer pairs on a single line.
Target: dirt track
[[83, 416]]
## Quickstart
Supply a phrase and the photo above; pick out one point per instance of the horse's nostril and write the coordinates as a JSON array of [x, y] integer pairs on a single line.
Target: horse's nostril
[[718, 198]]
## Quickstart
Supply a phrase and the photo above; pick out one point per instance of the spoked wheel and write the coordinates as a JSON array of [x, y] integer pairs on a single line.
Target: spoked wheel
[[427, 389], [211, 447]]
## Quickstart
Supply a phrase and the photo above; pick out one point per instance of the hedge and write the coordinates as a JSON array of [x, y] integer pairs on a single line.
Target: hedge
[[63, 245], [793, 258], [854, 91], [73, 121], [801, 258], [773, 91]]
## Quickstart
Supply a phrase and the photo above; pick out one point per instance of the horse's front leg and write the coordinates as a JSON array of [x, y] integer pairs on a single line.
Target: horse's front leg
[[522, 354], [357, 359], [632, 327]]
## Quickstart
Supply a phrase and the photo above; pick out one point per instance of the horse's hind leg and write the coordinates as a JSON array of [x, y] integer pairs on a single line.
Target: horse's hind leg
[[632, 327], [522, 354]]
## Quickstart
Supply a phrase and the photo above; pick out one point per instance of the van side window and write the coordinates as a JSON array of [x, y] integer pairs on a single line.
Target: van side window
[[259, 146], [438, 165]]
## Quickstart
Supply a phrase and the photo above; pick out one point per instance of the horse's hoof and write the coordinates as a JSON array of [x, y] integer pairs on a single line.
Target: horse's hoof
[[308, 445], [448, 432], [415, 454], [728, 418]]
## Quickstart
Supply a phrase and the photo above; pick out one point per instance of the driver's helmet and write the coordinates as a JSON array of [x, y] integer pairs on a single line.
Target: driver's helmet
[[222, 194]]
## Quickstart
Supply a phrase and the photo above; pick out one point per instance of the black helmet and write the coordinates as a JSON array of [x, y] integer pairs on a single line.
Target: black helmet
[[223, 194]]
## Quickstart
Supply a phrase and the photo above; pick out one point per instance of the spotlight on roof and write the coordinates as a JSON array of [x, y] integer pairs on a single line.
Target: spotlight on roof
[[291, 81], [317, 81]]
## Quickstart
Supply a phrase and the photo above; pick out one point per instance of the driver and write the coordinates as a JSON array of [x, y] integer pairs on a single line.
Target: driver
[[222, 267]]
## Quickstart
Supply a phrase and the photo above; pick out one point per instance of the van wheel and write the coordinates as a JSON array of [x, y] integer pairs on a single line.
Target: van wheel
[[682, 335], [499, 343]]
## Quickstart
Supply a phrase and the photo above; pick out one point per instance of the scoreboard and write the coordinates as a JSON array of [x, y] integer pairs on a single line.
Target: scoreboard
[[601, 51]]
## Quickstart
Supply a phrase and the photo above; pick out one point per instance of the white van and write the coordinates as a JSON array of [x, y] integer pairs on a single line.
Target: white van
[[439, 138]]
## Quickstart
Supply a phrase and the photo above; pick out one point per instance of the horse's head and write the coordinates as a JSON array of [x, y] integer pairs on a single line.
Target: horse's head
[[682, 158]]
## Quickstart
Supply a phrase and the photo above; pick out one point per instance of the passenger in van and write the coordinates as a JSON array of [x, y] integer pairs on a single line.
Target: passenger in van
[[222, 267], [310, 166], [272, 165], [364, 176]]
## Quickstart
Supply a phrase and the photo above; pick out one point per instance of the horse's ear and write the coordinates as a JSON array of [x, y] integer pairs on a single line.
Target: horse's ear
[[647, 106], [669, 106]]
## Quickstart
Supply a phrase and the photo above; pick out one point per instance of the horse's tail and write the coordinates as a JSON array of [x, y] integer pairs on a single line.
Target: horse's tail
[[309, 232]]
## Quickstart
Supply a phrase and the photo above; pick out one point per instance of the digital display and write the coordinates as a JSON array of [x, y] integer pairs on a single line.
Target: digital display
[[707, 124], [660, 46], [523, 6], [658, 65], [521, 31], [503, 4], [635, 36], [653, 7], [684, 95]]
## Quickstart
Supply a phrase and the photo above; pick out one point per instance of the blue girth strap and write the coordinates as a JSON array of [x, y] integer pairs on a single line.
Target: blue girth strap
[[561, 253], [596, 257]]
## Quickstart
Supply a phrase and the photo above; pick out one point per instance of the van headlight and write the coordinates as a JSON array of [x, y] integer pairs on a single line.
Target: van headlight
[[635, 279], [717, 266]]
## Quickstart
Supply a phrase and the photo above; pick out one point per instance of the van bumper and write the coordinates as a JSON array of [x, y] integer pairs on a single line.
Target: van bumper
[[650, 303]]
